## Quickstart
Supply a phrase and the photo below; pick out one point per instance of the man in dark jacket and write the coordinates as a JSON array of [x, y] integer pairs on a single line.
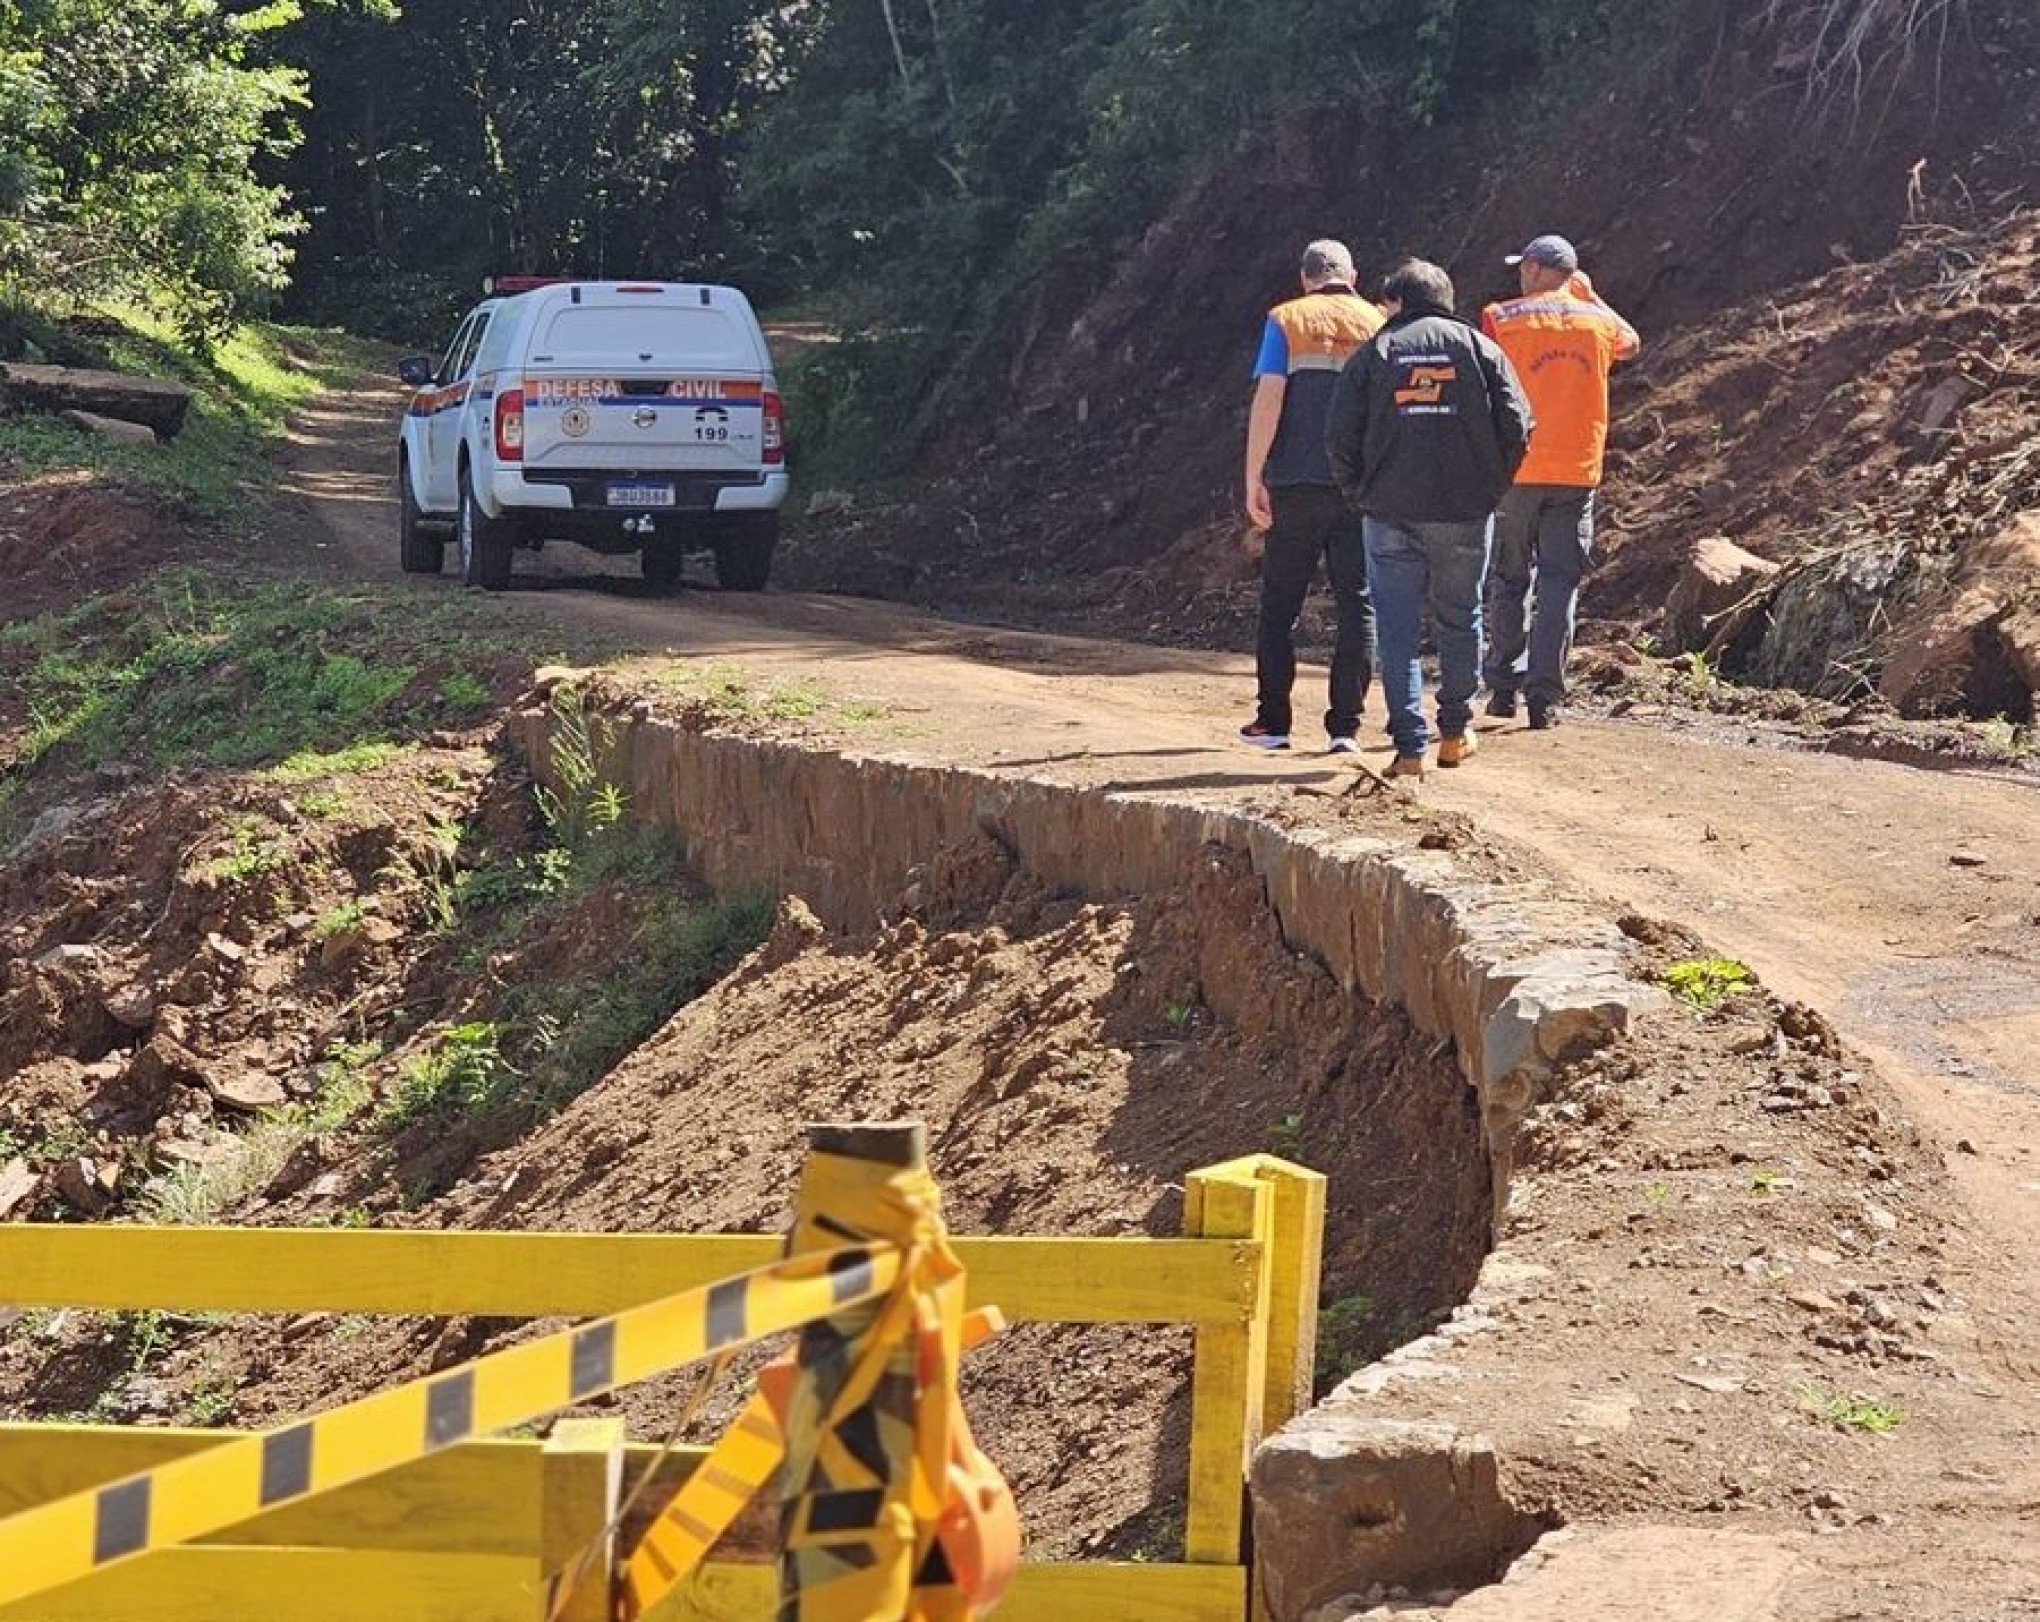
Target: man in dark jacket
[[1428, 425]]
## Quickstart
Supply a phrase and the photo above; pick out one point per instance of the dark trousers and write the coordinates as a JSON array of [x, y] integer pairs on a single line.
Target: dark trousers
[[1544, 533], [1312, 522]]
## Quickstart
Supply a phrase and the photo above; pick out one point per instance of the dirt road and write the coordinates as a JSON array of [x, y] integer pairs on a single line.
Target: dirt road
[[1904, 903]]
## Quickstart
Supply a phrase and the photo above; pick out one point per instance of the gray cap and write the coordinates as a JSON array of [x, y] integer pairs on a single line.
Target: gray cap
[[1328, 260], [1553, 252]]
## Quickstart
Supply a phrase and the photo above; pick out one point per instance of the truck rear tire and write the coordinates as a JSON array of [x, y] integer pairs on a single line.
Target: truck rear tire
[[744, 544], [484, 543], [661, 562], [419, 552]]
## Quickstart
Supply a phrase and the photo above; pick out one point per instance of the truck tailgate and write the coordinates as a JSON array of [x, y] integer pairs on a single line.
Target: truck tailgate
[[699, 422]]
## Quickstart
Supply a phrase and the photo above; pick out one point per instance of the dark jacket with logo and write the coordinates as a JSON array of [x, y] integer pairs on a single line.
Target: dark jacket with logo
[[1429, 422]]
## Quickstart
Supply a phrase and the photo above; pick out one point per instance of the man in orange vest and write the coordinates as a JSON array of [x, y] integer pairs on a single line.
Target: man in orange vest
[[1563, 341], [1293, 505]]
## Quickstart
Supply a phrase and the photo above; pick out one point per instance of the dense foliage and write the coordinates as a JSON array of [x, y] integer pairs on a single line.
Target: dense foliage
[[132, 136], [885, 150], [912, 161]]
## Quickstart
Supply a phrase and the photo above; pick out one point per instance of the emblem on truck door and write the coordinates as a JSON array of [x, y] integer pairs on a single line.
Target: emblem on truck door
[[644, 416]]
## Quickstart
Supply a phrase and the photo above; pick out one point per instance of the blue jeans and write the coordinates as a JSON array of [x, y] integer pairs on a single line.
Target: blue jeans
[[1444, 567], [1545, 531]]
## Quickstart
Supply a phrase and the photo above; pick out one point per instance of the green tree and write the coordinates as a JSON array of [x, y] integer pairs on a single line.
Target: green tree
[[130, 136]]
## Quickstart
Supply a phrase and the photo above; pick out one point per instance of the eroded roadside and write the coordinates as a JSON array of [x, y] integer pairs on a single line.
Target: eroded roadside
[[1736, 1187]]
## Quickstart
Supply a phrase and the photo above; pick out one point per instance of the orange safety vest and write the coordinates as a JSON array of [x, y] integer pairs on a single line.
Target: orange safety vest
[[1563, 346]]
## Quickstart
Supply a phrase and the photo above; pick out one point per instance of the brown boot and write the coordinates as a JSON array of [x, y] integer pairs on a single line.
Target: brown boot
[[1451, 751]]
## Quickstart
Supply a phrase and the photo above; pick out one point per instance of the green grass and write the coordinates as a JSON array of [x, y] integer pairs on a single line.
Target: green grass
[[1345, 1330], [308, 764], [341, 920], [728, 696], [463, 1073], [1707, 982], [258, 849], [183, 670], [217, 470], [577, 1032], [1850, 1412]]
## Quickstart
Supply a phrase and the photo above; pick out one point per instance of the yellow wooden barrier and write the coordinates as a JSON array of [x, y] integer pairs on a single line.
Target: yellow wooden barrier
[[572, 1275], [470, 1532], [368, 1585]]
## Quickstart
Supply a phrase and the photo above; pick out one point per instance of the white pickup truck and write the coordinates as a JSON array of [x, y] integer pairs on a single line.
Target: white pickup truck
[[626, 416]]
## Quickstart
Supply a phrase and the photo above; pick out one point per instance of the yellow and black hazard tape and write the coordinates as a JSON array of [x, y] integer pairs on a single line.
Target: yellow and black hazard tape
[[74, 1537]]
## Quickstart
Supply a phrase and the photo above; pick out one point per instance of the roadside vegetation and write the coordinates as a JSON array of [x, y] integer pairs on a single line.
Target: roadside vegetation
[[187, 670], [245, 386]]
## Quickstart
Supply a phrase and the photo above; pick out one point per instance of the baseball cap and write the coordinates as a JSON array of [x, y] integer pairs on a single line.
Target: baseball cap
[[1326, 258], [1554, 252]]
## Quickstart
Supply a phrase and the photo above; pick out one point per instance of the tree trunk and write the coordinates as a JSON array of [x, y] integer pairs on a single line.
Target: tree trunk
[[146, 400], [899, 51]]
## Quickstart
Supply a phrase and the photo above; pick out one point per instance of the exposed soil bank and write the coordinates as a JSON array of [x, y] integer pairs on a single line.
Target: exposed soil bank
[[1508, 975]]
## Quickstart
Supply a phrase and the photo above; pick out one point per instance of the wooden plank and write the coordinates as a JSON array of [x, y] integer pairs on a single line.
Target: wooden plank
[[302, 1585], [538, 1275], [477, 1498], [265, 1585], [1097, 1591], [578, 1495], [1230, 1378], [1295, 1278]]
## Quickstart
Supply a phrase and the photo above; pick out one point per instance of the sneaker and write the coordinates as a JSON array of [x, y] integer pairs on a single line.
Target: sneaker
[[1451, 751], [1543, 717], [1260, 737], [1406, 766], [1343, 746], [1501, 704]]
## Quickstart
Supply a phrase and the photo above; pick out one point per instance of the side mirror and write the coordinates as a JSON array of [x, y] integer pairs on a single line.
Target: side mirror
[[415, 370]]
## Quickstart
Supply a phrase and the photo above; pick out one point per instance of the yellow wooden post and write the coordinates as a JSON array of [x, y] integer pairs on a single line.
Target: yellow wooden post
[[579, 1488], [1295, 1272], [1229, 1384]]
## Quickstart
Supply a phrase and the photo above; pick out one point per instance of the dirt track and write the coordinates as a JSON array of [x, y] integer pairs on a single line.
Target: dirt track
[[1904, 903]]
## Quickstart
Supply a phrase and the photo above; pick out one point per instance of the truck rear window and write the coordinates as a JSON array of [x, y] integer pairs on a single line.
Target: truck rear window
[[643, 334]]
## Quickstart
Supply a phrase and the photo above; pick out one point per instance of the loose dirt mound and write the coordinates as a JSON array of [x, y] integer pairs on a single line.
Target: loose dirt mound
[[1875, 428], [66, 536], [1073, 1061], [182, 956]]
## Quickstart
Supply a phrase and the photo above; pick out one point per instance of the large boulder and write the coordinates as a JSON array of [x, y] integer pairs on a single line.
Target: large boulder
[[1824, 620], [1719, 577], [1974, 648], [1343, 1501]]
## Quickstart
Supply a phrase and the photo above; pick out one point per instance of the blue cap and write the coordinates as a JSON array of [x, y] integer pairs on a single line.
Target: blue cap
[[1553, 252]]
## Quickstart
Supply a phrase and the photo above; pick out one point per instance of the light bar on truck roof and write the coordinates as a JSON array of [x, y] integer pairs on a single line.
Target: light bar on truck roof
[[506, 285]]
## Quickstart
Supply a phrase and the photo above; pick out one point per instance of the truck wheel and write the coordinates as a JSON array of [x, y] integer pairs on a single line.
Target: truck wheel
[[661, 562], [420, 553], [743, 550], [484, 543]]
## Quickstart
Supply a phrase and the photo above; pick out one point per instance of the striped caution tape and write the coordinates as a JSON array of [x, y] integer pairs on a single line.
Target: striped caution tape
[[891, 1510], [734, 1471], [206, 1492], [708, 1503]]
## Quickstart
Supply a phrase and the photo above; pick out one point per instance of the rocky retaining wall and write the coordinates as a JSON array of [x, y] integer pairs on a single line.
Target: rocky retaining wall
[[1514, 977]]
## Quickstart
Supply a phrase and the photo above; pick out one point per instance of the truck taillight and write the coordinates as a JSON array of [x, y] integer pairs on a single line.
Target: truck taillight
[[510, 426], [775, 429]]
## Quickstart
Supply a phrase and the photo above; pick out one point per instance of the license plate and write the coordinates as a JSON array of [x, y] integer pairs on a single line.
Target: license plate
[[641, 495]]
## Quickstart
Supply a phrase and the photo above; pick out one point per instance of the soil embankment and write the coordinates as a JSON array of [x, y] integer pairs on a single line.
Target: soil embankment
[[1873, 891]]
